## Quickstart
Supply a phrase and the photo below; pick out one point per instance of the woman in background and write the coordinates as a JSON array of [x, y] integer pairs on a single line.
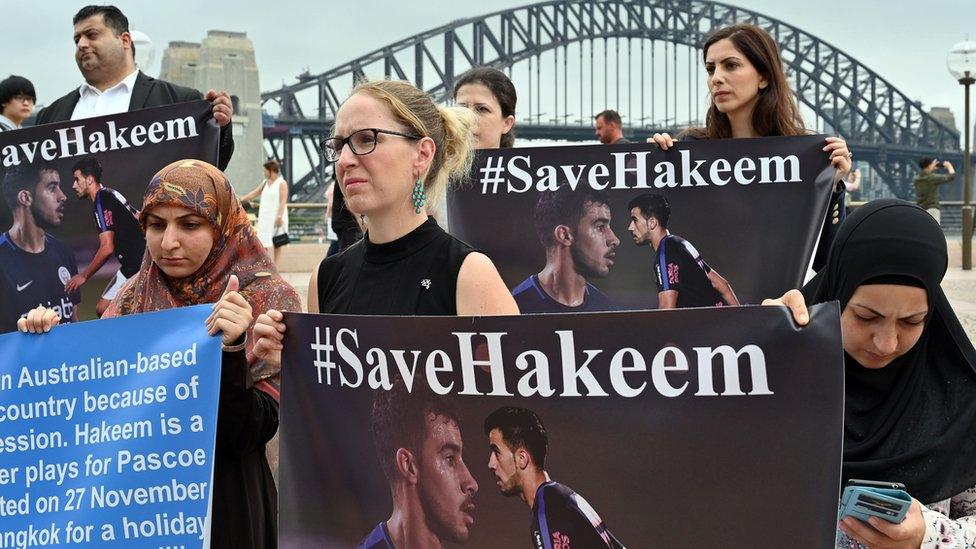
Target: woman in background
[[273, 209], [490, 94], [17, 101]]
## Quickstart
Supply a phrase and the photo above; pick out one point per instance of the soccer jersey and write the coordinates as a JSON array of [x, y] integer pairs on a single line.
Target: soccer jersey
[[562, 519], [680, 268], [379, 538], [28, 280], [531, 298], [113, 213]]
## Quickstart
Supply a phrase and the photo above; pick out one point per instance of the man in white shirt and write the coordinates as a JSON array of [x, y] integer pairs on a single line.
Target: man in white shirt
[[106, 58]]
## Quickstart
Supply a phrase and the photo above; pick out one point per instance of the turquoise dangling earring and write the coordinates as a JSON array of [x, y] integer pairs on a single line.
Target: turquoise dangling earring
[[419, 195]]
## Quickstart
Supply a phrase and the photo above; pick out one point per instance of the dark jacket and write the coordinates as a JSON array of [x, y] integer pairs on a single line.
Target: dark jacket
[[245, 500], [147, 92]]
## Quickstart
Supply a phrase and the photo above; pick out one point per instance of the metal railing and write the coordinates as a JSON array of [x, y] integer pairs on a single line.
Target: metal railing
[[306, 221]]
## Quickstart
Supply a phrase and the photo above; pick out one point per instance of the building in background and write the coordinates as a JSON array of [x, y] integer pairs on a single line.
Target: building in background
[[224, 60], [944, 115]]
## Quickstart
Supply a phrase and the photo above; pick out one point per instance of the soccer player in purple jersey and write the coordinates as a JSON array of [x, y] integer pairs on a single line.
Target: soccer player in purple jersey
[[561, 518]]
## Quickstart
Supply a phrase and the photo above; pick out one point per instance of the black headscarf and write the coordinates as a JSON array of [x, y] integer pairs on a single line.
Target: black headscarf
[[913, 421]]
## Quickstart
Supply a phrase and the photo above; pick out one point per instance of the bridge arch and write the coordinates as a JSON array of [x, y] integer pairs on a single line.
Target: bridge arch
[[880, 122]]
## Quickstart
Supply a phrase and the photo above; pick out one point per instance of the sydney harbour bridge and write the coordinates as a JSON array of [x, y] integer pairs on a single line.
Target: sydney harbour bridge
[[570, 59]]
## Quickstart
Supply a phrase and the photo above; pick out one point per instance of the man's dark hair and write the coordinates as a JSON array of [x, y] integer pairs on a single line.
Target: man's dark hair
[[14, 85], [521, 428], [89, 167], [925, 161], [564, 206], [610, 115], [113, 16], [399, 420], [20, 178], [652, 205]]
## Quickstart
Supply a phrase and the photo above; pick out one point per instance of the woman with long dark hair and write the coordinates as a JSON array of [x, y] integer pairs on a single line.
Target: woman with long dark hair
[[750, 97]]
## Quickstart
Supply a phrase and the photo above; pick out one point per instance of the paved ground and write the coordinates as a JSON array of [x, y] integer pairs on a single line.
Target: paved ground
[[959, 286]]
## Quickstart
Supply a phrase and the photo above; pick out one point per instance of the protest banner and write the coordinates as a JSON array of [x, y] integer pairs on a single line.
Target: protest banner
[[744, 217], [50, 232], [718, 427], [107, 432]]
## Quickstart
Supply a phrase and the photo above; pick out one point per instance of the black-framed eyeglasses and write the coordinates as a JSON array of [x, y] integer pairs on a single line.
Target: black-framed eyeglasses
[[360, 142]]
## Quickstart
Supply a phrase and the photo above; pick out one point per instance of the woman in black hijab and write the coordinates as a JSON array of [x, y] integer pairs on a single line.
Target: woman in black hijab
[[910, 401]]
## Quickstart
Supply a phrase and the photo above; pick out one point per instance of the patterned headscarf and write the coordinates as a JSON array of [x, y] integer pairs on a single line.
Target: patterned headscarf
[[204, 190]]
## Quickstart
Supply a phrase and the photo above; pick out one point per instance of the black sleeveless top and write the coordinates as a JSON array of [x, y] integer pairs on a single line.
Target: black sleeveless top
[[413, 275]]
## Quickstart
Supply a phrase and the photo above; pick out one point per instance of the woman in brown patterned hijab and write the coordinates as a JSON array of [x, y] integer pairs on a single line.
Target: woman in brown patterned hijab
[[202, 189], [197, 237], [200, 248]]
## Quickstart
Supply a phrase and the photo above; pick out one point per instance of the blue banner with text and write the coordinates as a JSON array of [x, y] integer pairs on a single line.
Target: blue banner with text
[[107, 432]]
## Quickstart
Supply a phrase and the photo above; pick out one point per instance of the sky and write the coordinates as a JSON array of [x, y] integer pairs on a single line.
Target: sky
[[904, 41]]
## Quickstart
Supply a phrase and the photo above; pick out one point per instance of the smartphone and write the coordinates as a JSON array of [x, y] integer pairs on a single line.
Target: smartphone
[[863, 499], [876, 484]]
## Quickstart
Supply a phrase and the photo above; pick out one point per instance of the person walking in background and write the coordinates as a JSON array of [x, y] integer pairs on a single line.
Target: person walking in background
[[17, 100], [273, 209], [927, 184]]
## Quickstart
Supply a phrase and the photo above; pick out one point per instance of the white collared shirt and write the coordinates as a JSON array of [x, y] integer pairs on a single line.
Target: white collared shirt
[[100, 103]]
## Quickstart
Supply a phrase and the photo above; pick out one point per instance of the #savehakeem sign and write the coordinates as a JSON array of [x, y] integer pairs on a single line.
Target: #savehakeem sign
[[717, 427], [107, 432], [741, 222], [121, 152]]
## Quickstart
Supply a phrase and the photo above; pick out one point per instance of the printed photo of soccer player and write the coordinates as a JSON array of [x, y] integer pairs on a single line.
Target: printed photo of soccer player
[[683, 277], [34, 266], [574, 228], [418, 443], [518, 444], [119, 232]]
